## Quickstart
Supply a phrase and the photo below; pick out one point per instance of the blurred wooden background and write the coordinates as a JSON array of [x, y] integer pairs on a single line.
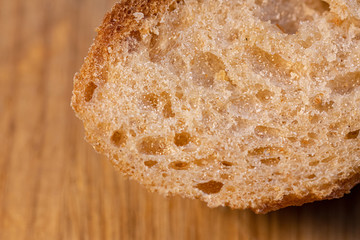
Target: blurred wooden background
[[52, 183]]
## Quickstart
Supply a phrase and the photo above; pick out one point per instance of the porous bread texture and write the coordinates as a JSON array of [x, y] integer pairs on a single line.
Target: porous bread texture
[[249, 104]]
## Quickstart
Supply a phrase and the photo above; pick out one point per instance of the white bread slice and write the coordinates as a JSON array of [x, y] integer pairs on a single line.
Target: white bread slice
[[249, 104]]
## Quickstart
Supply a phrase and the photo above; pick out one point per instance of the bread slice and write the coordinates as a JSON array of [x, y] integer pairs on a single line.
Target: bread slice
[[249, 104]]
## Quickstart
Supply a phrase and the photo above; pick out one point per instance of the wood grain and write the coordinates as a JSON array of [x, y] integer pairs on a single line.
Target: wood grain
[[52, 183]]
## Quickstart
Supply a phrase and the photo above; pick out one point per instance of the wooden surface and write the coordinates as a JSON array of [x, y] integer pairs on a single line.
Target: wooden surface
[[52, 183]]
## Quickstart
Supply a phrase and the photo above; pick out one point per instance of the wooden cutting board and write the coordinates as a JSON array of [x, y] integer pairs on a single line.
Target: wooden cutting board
[[52, 183]]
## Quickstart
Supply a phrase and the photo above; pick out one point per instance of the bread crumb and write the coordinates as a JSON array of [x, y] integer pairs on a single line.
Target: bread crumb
[[138, 16]]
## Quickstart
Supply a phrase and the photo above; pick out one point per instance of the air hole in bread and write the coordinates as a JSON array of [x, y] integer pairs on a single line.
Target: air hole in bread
[[286, 15], [210, 187], [318, 5], [314, 163], [311, 176], [242, 103], [327, 159], [281, 71], [223, 76], [89, 91], [167, 110], [308, 42], [204, 66], [270, 161], [227, 163], [332, 134], [157, 48], [240, 124], [292, 139], [230, 188], [267, 132], [264, 95], [172, 6], [132, 133], [321, 105], [150, 163], [225, 176], [179, 93], [312, 135], [267, 151], [352, 135], [315, 118], [179, 165], [273, 65], [152, 145], [205, 161], [160, 45], [182, 139], [165, 96], [306, 143], [150, 100], [133, 41], [176, 64], [326, 106], [345, 84], [326, 186], [119, 138], [136, 35]]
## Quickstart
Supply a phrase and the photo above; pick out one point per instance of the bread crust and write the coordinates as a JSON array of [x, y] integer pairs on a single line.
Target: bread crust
[[118, 26], [342, 187]]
